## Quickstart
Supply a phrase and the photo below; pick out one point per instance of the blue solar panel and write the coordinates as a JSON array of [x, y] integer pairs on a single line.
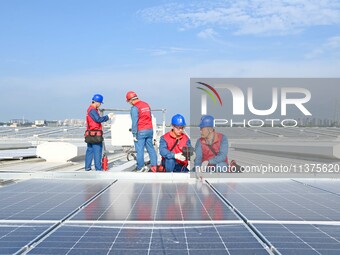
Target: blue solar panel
[[330, 185], [15, 236], [46, 199], [280, 200], [151, 239], [302, 239], [157, 201]]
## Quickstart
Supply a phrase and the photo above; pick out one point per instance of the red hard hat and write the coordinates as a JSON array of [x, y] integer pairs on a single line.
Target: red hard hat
[[130, 95]]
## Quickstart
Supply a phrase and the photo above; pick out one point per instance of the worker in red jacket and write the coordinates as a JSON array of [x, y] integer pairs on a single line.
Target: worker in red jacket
[[142, 130], [171, 146], [94, 125]]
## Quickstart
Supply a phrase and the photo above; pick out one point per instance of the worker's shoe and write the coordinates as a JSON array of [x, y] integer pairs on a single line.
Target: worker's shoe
[[143, 169], [158, 168]]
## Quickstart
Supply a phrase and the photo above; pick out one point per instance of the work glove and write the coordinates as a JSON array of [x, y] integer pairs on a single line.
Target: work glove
[[179, 156], [111, 115], [204, 166]]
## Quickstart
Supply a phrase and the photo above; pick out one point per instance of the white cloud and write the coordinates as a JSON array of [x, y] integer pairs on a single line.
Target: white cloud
[[248, 16], [333, 42], [331, 46], [166, 50], [208, 33]]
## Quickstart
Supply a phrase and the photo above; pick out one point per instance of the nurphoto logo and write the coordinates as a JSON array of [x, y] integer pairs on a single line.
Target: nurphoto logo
[[242, 100]]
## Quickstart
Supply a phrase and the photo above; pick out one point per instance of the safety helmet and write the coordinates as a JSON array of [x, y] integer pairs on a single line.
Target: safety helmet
[[178, 120], [207, 121], [98, 98], [130, 95]]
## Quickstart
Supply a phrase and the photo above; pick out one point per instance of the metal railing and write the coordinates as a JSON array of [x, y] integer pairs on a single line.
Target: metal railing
[[128, 110]]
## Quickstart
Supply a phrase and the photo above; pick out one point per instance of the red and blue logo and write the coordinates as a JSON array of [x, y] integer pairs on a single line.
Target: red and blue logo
[[211, 92]]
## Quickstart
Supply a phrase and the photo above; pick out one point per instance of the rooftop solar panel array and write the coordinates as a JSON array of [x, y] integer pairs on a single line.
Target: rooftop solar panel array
[[164, 217]]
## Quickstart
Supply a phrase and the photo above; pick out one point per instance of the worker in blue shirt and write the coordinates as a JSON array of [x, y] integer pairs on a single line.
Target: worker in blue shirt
[[142, 130], [212, 148]]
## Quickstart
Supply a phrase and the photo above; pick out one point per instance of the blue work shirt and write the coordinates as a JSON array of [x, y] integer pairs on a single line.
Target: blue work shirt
[[96, 117], [134, 119]]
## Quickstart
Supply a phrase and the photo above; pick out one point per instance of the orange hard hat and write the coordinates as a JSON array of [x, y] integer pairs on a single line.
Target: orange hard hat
[[130, 95]]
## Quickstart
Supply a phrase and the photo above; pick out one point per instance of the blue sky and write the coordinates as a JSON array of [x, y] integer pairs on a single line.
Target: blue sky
[[54, 55]]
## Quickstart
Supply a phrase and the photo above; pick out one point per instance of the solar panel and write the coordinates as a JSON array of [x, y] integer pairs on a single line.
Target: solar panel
[[18, 154], [330, 185], [46, 199], [156, 201], [15, 236], [302, 239], [150, 239], [280, 200]]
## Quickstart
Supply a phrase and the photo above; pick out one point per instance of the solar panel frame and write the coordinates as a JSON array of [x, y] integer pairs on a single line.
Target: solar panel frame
[[328, 185]]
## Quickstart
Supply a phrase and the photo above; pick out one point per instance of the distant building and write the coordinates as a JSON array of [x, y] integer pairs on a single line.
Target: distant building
[[40, 123], [52, 123], [74, 122], [19, 121]]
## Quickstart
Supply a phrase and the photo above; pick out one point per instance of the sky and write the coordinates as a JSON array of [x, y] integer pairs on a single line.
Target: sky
[[55, 55]]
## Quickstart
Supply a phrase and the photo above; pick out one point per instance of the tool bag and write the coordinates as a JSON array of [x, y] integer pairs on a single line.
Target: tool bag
[[93, 136]]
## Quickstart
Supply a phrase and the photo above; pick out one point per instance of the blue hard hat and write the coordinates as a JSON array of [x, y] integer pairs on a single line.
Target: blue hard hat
[[178, 120], [207, 121], [98, 98]]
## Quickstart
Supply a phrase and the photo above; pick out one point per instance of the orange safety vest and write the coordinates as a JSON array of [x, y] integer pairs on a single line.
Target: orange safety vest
[[170, 139], [206, 151], [91, 124]]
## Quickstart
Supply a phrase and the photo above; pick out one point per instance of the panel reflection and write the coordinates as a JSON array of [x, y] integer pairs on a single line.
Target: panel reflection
[[160, 201]]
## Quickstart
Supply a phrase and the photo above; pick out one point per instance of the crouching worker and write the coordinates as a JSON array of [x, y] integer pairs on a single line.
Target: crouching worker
[[171, 146], [211, 149]]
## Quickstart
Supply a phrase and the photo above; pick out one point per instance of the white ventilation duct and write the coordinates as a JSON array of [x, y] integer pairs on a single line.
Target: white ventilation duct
[[60, 151]]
